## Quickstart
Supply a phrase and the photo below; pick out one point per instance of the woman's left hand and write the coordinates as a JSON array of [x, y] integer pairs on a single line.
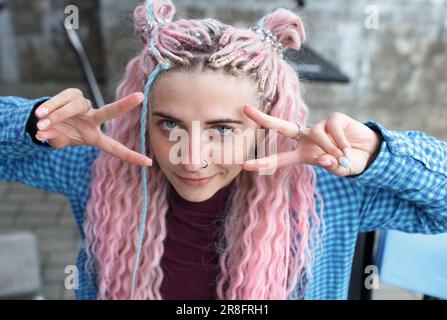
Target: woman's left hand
[[339, 140]]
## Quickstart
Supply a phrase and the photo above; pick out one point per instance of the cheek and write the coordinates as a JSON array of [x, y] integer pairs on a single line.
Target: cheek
[[160, 148], [231, 171], [239, 147]]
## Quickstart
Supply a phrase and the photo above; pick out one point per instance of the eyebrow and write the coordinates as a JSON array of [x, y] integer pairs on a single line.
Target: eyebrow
[[209, 122]]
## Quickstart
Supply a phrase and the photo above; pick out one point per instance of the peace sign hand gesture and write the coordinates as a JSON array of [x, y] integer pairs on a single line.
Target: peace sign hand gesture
[[68, 119], [340, 144]]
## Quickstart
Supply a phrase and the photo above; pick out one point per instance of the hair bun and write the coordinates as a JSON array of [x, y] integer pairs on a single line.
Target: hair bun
[[151, 13], [287, 27], [162, 10]]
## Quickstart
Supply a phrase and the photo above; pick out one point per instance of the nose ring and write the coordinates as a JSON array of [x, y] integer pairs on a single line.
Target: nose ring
[[206, 164]]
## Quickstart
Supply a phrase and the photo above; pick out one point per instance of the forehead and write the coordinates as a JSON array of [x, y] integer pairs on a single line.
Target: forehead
[[205, 94]]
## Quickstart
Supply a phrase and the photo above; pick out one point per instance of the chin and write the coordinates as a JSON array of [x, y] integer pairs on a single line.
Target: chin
[[195, 194]]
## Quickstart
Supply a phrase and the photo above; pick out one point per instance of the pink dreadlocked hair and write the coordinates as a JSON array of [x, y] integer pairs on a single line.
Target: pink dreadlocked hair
[[268, 238]]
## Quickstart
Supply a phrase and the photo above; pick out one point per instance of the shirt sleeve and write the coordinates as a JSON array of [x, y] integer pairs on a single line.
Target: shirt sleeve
[[31, 125], [405, 187], [38, 165]]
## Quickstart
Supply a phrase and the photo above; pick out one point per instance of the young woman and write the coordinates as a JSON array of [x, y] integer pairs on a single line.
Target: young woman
[[280, 227]]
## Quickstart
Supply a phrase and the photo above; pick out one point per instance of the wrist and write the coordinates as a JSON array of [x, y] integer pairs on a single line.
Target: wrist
[[376, 142], [31, 125]]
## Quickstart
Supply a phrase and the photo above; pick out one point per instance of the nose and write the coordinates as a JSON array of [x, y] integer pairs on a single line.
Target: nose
[[192, 167], [197, 159]]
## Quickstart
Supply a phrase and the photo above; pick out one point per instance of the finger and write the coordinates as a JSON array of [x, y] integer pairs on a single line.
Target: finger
[[319, 135], [47, 135], [57, 101], [278, 160], [335, 127], [115, 109], [327, 161], [77, 106], [120, 151], [284, 127]]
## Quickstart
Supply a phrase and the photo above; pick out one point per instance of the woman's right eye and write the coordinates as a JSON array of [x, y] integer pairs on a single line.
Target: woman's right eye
[[168, 125]]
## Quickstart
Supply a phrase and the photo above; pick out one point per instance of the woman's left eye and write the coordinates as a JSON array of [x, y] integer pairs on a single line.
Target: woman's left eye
[[224, 130]]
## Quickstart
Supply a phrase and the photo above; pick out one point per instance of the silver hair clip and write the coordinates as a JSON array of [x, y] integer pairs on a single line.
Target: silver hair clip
[[146, 29], [152, 24], [270, 38]]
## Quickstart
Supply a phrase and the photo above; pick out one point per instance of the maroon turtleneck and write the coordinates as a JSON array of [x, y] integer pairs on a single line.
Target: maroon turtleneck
[[190, 260]]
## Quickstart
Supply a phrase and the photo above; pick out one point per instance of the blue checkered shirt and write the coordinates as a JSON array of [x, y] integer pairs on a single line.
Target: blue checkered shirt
[[404, 188]]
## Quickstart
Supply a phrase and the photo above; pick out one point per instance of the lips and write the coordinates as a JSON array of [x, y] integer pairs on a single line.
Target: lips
[[195, 181]]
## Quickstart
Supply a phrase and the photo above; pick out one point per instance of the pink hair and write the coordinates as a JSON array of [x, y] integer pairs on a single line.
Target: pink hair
[[267, 238]]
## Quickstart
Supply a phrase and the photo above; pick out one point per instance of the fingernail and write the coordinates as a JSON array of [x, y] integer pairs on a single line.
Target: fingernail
[[40, 139], [42, 111], [344, 162], [347, 152], [325, 163], [148, 163], [43, 124]]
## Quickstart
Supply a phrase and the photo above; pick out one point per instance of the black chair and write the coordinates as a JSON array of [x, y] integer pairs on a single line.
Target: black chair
[[363, 257]]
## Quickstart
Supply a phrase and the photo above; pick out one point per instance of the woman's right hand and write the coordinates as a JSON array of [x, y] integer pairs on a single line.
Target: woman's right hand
[[74, 122]]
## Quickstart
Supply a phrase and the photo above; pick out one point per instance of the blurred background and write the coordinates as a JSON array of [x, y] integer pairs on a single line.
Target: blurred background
[[385, 60]]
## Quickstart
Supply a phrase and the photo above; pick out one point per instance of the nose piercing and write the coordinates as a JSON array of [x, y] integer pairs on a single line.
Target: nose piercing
[[206, 164], [298, 135]]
